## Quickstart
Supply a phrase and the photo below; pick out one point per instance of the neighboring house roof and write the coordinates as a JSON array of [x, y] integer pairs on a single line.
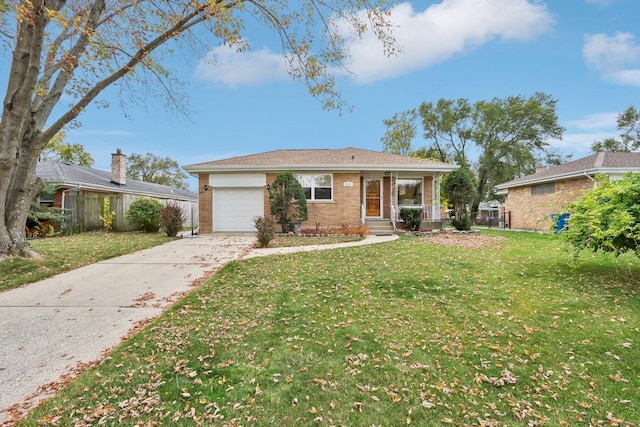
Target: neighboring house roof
[[344, 159], [70, 175], [603, 162], [490, 204]]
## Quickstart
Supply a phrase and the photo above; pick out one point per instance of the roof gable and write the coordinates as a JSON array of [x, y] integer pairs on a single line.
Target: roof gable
[[67, 174], [343, 159], [603, 162]]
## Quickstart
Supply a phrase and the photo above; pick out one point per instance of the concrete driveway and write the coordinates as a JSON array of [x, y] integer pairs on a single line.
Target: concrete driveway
[[53, 329]]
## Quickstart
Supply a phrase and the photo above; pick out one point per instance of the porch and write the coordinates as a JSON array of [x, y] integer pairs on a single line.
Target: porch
[[431, 219], [383, 199]]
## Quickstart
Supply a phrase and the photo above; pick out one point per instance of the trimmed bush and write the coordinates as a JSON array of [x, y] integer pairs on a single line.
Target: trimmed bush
[[412, 218], [144, 215], [463, 224], [171, 218]]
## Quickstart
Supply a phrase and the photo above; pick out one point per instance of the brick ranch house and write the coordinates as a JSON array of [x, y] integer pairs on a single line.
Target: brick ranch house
[[81, 191], [343, 186], [532, 200]]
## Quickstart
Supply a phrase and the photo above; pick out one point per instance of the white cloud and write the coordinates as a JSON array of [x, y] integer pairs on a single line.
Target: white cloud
[[224, 64], [616, 58], [594, 122], [429, 37], [583, 132], [443, 30]]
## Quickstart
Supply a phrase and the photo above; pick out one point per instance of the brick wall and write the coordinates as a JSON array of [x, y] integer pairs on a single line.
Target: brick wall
[[386, 197], [343, 209], [205, 206], [533, 212]]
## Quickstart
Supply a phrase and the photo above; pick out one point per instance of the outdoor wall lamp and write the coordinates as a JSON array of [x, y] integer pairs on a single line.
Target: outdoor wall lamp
[[206, 187]]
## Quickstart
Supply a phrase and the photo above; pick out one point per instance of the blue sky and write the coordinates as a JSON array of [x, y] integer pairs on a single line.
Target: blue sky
[[584, 53]]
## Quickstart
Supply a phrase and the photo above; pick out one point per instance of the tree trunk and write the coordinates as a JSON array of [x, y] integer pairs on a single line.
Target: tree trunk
[[22, 187], [18, 135], [480, 189]]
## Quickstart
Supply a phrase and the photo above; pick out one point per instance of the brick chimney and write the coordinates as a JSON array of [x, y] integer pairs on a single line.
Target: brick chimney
[[119, 168], [540, 168]]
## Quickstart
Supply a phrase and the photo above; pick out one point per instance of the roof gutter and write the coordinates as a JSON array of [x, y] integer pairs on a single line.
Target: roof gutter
[[568, 175], [341, 168], [124, 190]]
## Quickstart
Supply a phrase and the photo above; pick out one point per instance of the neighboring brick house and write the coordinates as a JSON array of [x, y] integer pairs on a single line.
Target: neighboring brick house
[[80, 192], [532, 200], [343, 187]]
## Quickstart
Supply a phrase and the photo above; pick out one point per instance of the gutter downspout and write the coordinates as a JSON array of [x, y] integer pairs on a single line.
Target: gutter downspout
[[595, 181]]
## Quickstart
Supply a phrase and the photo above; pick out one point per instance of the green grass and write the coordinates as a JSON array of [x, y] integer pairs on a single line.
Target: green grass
[[60, 254], [405, 332]]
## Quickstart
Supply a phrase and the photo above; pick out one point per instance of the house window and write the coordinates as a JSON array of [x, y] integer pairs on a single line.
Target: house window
[[547, 188], [45, 199], [317, 186], [410, 192]]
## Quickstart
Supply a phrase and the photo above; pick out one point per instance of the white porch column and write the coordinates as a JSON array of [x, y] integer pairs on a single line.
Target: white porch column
[[435, 199]]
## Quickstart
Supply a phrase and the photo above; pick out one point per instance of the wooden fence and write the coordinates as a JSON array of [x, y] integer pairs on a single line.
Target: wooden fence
[[84, 210]]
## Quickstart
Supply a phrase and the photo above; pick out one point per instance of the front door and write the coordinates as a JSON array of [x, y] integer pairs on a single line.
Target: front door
[[373, 197]]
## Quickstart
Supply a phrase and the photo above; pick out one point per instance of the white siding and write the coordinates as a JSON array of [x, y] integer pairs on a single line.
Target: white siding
[[234, 180]]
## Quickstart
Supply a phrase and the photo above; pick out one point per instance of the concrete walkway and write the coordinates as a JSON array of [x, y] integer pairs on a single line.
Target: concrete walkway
[[52, 329]]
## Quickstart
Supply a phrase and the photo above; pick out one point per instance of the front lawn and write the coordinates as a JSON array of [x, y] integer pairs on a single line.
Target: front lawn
[[64, 253], [406, 332], [291, 241]]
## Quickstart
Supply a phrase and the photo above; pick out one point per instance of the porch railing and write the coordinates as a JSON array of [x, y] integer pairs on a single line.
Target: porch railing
[[429, 212]]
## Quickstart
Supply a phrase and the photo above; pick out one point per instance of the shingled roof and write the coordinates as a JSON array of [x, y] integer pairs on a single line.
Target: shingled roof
[[603, 162], [309, 159], [70, 175]]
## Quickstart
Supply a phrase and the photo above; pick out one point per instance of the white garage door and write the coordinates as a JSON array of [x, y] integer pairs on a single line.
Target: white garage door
[[235, 208]]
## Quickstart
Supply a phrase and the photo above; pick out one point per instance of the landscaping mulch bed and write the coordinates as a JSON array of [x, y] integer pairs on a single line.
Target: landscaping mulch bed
[[470, 240]]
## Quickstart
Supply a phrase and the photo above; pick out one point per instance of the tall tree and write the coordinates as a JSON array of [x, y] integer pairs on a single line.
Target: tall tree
[[401, 129], [629, 128], [151, 168], [509, 136], [80, 48], [509, 133], [449, 126], [58, 149]]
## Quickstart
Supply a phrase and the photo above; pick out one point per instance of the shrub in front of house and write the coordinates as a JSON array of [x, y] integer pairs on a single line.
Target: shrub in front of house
[[265, 226], [144, 215], [171, 218], [463, 224], [287, 201], [44, 221], [412, 218]]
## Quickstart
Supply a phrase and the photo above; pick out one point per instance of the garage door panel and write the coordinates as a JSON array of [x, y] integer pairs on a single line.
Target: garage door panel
[[235, 208]]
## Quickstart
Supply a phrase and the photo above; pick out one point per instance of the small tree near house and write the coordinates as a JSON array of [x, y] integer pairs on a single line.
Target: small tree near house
[[171, 218], [459, 189], [287, 201]]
